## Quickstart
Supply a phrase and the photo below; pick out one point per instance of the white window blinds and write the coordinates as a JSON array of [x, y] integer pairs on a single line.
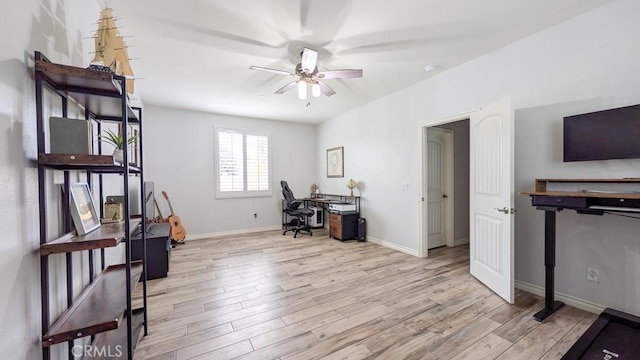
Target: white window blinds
[[257, 162], [243, 163]]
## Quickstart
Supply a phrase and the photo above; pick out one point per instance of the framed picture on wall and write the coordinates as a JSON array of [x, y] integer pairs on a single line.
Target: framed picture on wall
[[335, 162], [83, 211]]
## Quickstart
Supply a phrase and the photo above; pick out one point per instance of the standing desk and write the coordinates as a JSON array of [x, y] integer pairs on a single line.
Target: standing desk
[[586, 201]]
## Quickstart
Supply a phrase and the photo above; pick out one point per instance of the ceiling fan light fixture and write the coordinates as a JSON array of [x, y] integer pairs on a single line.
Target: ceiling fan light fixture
[[302, 89], [315, 90], [308, 76], [309, 60]]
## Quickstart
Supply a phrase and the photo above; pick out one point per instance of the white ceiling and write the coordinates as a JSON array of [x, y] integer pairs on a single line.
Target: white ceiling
[[195, 54]]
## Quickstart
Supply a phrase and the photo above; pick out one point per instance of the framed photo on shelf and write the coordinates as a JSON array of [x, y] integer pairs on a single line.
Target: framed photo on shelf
[[335, 162], [83, 210]]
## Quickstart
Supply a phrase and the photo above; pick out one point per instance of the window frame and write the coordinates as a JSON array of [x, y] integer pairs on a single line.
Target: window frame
[[243, 193]]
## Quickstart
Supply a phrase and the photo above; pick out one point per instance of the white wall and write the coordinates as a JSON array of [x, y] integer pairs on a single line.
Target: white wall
[[592, 60], [179, 158], [56, 28]]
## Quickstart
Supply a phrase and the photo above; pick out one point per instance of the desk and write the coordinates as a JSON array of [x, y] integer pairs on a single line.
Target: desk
[[322, 201], [325, 199], [597, 202]]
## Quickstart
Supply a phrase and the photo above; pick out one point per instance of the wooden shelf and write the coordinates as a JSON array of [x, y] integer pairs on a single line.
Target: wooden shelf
[[583, 194], [94, 163], [541, 184], [99, 308], [108, 235], [97, 91], [626, 188], [116, 340]]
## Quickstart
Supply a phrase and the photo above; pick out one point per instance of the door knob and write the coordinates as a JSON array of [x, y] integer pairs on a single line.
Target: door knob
[[503, 210], [444, 196]]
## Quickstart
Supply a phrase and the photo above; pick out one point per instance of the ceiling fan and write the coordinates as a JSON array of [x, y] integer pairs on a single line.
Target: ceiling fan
[[308, 75]]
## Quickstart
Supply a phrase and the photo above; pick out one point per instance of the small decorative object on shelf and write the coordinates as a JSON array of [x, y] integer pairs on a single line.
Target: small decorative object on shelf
[[69, 136], [315, 189], [83, 211], [111, 54], [351, 184], [113, 211], [117, 141]]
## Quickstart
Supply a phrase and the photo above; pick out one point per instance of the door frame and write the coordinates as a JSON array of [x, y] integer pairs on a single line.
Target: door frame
[[447, 184], [423, 231]]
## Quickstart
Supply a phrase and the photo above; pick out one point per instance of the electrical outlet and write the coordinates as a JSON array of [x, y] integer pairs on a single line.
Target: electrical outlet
[[592, 274]]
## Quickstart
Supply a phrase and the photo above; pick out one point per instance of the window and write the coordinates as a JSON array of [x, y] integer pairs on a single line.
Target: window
[[243, 167]]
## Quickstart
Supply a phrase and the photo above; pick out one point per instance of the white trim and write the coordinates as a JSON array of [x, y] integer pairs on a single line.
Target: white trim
[[461, 241], [440, 121], [393, 246], [423, 251], [567, 299], [231, 232]]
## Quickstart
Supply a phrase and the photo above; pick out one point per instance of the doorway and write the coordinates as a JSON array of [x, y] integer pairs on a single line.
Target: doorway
[[455, 194], [490, 175]]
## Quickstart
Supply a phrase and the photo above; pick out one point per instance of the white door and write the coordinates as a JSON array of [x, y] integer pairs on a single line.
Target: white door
[[491, 197], [437, 197]]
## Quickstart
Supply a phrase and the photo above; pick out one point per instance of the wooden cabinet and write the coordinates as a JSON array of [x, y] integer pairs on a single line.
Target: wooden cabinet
[[158, 250], [103, 308], [343, 226]]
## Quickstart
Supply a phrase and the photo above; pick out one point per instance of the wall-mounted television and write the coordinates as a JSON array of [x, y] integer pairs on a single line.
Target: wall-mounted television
[[603, 135]]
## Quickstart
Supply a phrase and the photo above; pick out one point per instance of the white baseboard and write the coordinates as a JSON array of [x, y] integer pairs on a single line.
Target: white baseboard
[[232, 232], [567, 299], [461, 241], [393, 246]]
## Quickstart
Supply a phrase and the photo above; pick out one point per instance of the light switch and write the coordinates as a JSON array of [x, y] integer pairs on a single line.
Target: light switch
[[405, 186]]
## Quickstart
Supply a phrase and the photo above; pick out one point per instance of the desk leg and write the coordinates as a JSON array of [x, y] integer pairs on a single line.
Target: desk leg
[[550, 305]]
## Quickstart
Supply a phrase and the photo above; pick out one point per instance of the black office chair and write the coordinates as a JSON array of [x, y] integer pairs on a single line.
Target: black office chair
[[292, 208]]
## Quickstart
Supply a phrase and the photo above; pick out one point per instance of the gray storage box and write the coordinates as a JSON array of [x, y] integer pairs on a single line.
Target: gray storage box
[[69, 136]]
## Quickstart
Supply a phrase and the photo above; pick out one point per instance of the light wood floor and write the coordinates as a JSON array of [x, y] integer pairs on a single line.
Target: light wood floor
[[268, 296]]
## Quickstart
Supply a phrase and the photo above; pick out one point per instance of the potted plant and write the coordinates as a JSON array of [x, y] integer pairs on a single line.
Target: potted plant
[[117, 141]]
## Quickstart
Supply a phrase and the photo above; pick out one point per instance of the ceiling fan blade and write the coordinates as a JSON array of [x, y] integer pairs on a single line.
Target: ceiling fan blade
[[309, 60], [275, 71], [340, 74], [287, 87], [326, 89]]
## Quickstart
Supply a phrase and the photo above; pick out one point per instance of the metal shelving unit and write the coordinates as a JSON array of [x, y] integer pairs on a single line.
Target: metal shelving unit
[[103, 309]]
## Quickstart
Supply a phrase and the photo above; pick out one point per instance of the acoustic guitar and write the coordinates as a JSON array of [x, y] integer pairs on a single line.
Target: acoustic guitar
[[178, 233]]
